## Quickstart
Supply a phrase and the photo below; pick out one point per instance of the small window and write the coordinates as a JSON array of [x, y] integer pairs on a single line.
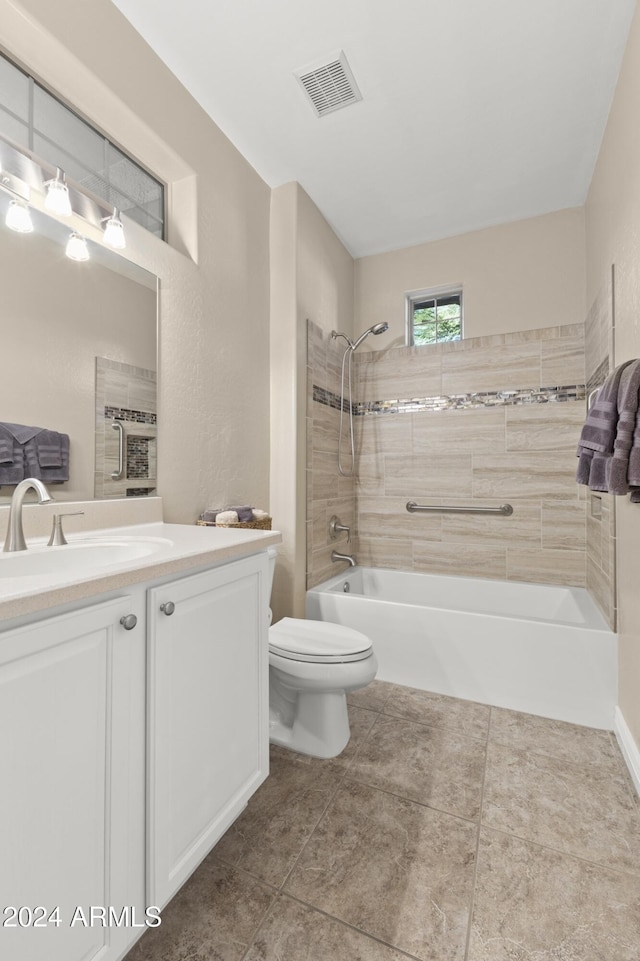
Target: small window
[[434, 317]]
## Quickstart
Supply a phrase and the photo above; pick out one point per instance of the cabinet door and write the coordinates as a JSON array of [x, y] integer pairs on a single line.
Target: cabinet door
[[208, 713], [72, 796]]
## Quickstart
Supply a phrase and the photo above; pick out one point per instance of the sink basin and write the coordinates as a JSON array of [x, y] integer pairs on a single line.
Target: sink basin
[[79, 557]]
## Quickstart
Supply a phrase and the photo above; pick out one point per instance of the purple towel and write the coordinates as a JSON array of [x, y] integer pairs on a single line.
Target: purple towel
[[609, 447], [244, 512], [21, 432], [49, 447], [7, 445], [599, 429], [617, 465], [50, 475]]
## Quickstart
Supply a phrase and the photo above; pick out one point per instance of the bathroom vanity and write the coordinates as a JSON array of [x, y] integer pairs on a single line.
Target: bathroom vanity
[[134, 719]]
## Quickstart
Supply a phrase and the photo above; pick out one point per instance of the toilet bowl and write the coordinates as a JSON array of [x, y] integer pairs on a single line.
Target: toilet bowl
[[312, 667]]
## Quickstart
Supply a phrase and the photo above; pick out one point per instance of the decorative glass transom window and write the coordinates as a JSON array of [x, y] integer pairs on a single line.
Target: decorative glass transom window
[[434, 316], [33, 119]]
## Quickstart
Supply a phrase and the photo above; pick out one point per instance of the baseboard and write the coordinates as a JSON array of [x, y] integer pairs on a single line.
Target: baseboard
[[628, 746]]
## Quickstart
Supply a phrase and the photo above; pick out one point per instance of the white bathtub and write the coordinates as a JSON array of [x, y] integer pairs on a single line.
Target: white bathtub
[[529, 647]]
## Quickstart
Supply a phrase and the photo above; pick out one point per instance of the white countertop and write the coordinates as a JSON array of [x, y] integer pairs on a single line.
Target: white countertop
[[176, 549]]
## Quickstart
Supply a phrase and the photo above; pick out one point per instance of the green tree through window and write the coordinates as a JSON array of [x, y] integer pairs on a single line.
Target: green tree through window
[[436, 319]]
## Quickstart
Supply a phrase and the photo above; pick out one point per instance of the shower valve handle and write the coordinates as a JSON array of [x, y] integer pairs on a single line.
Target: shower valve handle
[[336, 527]]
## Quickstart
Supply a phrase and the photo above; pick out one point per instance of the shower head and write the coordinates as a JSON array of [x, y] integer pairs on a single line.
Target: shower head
[[376, 329]]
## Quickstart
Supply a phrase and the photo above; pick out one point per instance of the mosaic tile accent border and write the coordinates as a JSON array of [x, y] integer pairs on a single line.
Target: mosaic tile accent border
[[137, 416], [499, 398], [327, 397]]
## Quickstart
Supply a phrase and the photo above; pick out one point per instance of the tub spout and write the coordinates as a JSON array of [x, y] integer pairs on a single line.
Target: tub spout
[[335, 556]]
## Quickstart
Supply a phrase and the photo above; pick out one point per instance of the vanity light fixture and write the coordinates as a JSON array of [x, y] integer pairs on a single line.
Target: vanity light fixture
[[114, 231], [57, 199], [77, 247], [19, 218]]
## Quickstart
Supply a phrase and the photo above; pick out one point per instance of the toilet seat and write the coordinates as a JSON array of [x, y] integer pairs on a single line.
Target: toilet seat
[[320, 642]]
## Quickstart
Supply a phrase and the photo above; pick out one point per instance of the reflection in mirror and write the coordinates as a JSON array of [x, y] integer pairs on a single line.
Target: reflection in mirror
[[58, 316]]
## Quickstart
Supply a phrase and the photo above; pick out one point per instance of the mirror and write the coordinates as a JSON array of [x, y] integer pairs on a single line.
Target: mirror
[[58, 316]]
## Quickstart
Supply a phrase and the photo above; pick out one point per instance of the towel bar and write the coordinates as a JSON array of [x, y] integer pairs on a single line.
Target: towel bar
[[591, 396], [504, 509]]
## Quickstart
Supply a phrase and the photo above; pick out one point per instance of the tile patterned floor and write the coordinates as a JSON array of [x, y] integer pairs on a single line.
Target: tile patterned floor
[[446, 831]]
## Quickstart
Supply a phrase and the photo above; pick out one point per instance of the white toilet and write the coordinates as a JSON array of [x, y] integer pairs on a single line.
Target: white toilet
[[312, 667]]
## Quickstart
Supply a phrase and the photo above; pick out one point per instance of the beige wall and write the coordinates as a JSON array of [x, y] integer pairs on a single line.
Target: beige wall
[[613, 238], [214, 313], [311, 279], [520, 276]]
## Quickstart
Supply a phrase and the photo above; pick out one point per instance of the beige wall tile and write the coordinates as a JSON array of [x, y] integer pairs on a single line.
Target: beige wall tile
[[491, 368], [460, 560], [562, 361], [551, 426], [527, 336], [399, 374], [594, 538], [324, 427], [564, 525], [600, 588], [388, 516], [370, 478], [608, 537], [383, 433], [393, 552], [547, 567], [324, 474], [422, 476], [520, 528], [525, 475], [322, 567], [597, 327], [465, 430]]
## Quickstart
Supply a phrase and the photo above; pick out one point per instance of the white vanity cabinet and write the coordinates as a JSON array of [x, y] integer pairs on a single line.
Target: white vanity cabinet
[[126, 751], [72, 782], [208, 735]]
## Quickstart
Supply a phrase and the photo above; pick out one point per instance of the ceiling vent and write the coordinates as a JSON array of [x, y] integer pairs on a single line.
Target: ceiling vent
[[329, 85]]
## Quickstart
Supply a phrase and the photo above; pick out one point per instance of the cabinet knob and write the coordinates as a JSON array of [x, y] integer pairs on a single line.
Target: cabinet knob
[[129, 621], [168, 608]]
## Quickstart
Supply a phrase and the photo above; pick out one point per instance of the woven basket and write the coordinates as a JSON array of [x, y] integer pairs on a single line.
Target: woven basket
[[264, 524]]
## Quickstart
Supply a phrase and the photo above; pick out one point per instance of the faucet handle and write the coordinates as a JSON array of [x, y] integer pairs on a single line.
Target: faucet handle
[[57, 534], [336, 527]]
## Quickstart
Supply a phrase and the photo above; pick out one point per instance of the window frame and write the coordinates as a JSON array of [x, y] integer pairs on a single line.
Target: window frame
[[430, 293], [36, 81]]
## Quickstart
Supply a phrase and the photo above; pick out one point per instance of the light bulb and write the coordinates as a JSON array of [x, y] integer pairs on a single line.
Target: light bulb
[[77, 247], [114, 231], [57, 199], [19, 218]]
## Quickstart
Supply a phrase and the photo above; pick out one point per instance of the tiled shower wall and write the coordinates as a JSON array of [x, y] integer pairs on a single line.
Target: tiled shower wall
[[127, 394], [601, 544], [327, 492], [479, 422]]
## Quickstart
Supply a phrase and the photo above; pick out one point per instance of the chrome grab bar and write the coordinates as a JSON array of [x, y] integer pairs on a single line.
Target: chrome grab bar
[[117, 474], [504, 509]]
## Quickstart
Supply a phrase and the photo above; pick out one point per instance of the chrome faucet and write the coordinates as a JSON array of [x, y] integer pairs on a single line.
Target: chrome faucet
[[343, 557], [15, 535]]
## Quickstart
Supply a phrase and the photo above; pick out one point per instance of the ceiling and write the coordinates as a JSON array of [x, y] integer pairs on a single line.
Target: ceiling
[[474, 112]]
